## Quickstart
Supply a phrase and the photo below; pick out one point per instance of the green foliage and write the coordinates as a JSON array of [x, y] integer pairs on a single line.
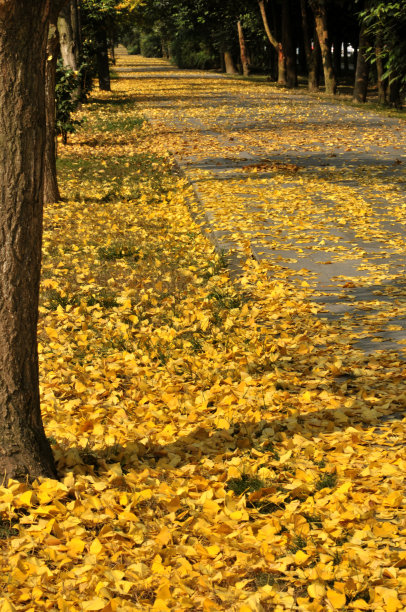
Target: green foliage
[[386, 24], [66, 103], [150, 45]]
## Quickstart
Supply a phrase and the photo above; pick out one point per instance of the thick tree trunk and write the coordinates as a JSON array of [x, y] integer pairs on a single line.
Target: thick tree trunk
[[102, 59], [24, 449], [288, 45], [243, 50], [275, 43], [229, 63], [362, 70], [51, 191], [311, 57], [320, 16]]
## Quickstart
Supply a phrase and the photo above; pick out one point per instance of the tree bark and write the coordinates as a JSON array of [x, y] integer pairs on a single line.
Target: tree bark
[[243, 50], [229, 63], [320, 16], [69, 38], [289, 47], [382, 85], [102, 58], [275, 43], [67, 35], [311, 58], [24, 448], [51, 190], [362, 70], [76, 28], [346, 65]]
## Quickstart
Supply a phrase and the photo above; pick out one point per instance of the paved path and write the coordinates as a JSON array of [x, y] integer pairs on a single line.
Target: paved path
[[315, 188]]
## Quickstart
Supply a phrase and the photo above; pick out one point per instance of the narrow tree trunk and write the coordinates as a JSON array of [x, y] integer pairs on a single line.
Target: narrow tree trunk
[[362, 70], [346, 65], [243, 50], [112, 52], [51, 191], [337, 56], [320, 16], [288, 45], [24, 449], [354, 56], [76, 29], [164, 49], [380, 71], [311, 60], [229, 63], [102, 59], [275, 43]]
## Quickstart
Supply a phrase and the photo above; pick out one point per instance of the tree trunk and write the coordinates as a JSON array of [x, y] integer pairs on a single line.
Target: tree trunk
[[51, 191], [67, 38], [102, 59], [380, 71], [76, 27], [311, 57], [164, 49], [288, 45], [362, 70], [320, 16], [394, 97], [337, 56], [229, 63], [346, 65], [354, 56], [243, 50], [275, 43], [24, 448]]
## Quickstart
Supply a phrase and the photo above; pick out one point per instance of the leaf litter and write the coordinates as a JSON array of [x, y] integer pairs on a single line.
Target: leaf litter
[[219, 446]]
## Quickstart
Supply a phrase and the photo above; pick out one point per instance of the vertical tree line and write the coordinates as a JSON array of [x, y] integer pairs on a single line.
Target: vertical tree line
[[33, 35]]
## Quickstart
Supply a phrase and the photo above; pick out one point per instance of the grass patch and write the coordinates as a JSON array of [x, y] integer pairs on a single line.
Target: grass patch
[[52, 298], [7, 530], [298, 543], [118, 251], [114, 178], [327, 481], [120, 124], [245, 484]]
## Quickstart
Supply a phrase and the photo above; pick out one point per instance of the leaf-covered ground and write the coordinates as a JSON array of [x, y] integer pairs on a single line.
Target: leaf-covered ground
[[220, 446]]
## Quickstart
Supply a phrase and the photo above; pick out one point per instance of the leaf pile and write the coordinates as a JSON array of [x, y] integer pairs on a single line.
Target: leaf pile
[[219, 446]]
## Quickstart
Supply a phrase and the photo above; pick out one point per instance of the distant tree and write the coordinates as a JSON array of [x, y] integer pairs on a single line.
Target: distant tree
[[385, 24], [51, 190], [319, 8], [275, 42]]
